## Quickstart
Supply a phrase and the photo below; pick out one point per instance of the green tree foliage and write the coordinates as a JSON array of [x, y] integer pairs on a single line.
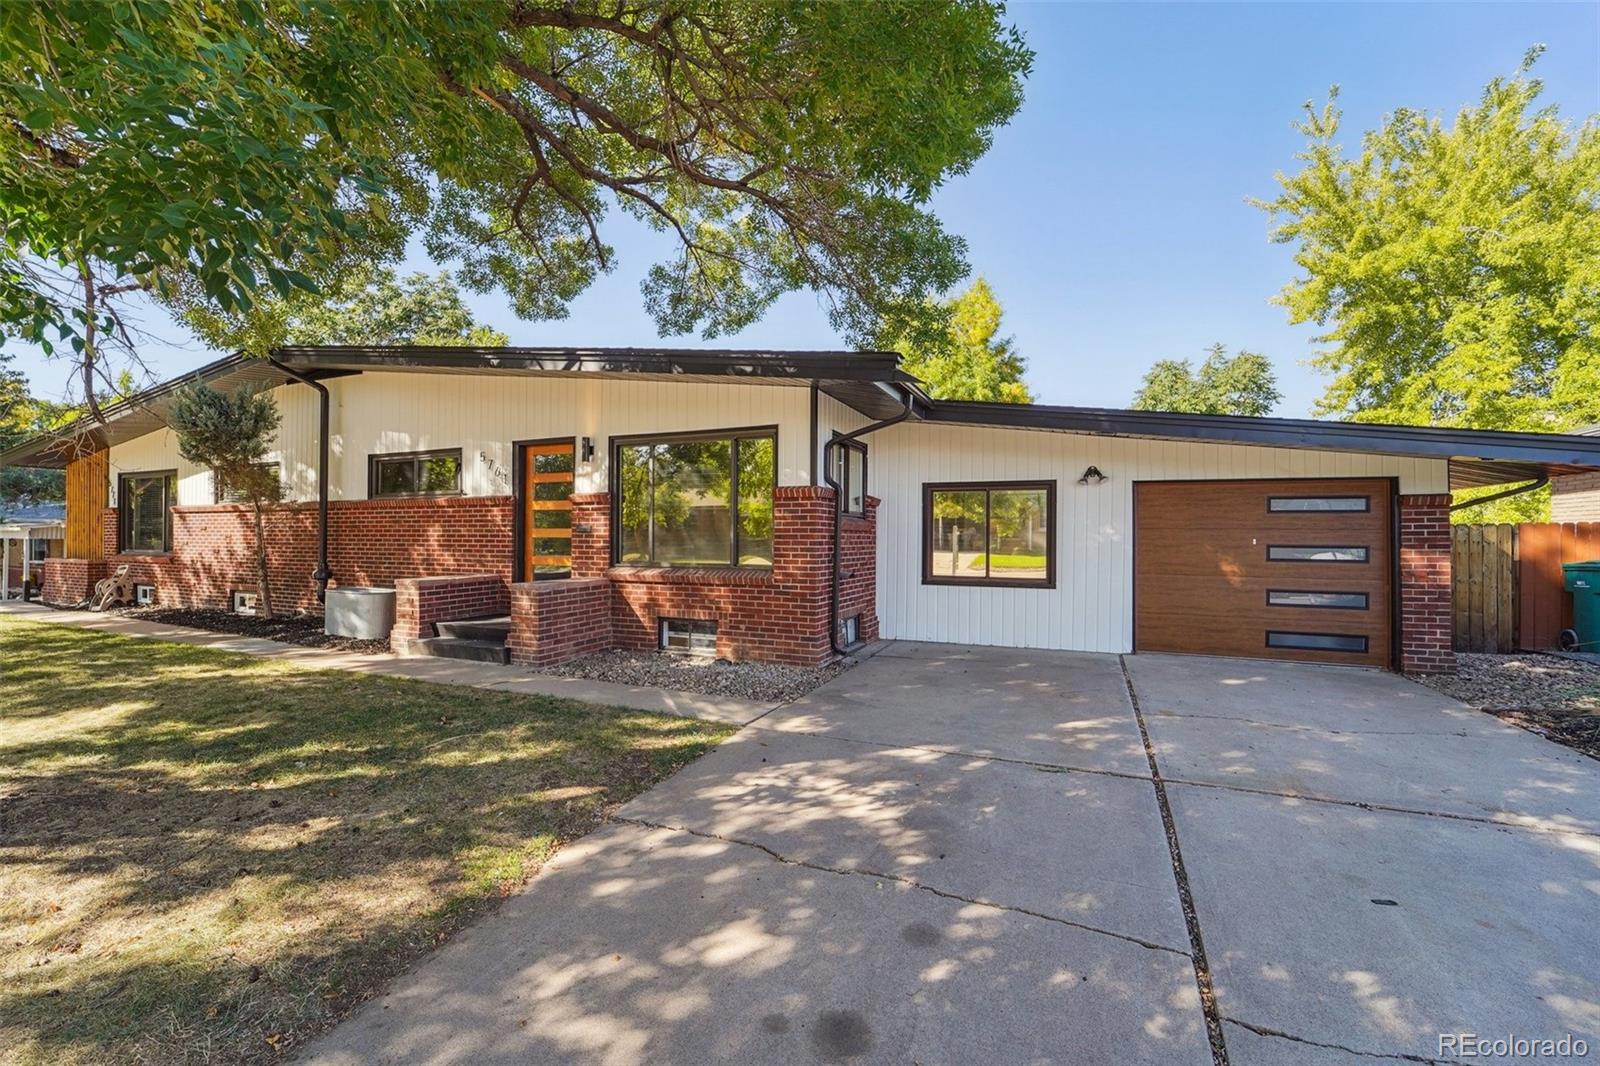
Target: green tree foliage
[[236, 146], [231, 435], [965, 360], [368, 304], [1242, 384], [23, 416], [1453, 267]]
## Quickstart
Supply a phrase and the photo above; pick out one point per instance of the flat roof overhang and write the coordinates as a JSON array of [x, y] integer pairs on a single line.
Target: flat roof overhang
[[1477, 457], [869, 382]]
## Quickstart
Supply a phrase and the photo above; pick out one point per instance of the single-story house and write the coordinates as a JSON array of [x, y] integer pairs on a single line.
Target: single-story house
[[29, 534], [784, 505]]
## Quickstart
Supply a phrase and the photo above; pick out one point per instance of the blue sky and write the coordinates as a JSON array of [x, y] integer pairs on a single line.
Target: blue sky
[[1110, 216]]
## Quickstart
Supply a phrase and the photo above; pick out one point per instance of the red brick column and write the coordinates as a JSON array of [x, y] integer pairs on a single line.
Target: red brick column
[[1426, 641], [591, 534], [858, 569], [553, 621], [419, 602]]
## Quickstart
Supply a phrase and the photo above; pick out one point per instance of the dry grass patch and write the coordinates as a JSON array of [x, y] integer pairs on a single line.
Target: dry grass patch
[[207, 858]]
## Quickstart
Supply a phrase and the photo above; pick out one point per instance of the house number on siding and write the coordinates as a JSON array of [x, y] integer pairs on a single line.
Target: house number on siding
[[496, 471]]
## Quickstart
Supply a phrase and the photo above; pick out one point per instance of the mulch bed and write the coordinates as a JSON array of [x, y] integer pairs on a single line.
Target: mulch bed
[[760, 682], [1557, 698], [302, 629]]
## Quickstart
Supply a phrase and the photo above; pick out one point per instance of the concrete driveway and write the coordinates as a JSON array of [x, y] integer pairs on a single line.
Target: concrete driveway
[[957, 855]]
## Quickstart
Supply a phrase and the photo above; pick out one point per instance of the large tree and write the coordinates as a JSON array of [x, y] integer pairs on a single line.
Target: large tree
[[1454, 267], [966, 359], [368, 304], [253, 144], [1242, 384]]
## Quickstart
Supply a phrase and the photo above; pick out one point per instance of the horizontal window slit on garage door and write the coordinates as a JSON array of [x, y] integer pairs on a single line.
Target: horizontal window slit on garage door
[[1316, 553], [1317, 641], [1317, 504], [1348, 601]]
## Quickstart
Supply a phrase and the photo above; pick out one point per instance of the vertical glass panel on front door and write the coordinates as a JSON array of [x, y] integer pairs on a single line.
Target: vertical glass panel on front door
[[547, 486]]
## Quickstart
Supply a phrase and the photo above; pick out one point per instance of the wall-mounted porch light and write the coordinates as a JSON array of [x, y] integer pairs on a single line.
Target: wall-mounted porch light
[[1092, 476], [587, 451]]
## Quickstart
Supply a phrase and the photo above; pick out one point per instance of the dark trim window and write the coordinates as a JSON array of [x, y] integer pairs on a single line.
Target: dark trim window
[[1318, 504], [694, 499], [219, 495], [144, 512], [850, 471], [431, 473], [1346, 601], [38, 550], [1316, 553], [1349, 642], [996, 533]]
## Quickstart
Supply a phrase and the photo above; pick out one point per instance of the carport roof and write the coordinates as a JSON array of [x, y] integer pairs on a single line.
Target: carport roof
[[869, 382]]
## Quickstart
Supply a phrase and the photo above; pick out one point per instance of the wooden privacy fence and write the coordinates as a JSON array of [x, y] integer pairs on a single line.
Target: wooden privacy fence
[[1508, 586], [1483, 565]]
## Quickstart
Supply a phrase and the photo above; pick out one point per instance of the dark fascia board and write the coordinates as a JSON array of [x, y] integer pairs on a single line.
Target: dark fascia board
[[732, 362], [137, 415], [1558, 449]]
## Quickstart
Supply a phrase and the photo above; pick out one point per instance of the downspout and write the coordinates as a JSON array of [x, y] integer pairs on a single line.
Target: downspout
[[323, 574], [828, 452], [1537, 483]]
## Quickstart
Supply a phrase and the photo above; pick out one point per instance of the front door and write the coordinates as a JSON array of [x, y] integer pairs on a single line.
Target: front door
[[546, 503]]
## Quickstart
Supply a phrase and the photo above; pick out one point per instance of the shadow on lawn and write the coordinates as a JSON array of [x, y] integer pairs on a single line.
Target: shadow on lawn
[[199, 851]]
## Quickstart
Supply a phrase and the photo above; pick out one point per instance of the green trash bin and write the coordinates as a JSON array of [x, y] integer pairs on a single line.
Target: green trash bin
[[1583, 581]]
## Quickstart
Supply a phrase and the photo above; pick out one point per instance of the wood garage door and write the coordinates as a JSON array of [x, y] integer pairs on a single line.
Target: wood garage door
[[1294, 569]]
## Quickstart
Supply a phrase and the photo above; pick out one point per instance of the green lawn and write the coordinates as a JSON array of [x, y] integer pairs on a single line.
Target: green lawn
[[206, 857]]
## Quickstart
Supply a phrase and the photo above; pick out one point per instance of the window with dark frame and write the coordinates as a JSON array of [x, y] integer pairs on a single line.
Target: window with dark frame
[[430, 473], [999, 534], [220, 495], [850, 471], [144, 512], [698, 499]]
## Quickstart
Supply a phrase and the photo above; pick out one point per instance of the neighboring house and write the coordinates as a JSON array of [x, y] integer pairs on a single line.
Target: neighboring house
[[1576, 497], [681, 499], [29, 534]]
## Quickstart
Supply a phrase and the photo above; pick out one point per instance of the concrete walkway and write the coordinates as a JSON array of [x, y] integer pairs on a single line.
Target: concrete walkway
[[438, 671], [952, 855]]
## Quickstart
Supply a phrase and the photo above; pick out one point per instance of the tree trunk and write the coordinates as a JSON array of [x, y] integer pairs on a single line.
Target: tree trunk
[[263, 587]]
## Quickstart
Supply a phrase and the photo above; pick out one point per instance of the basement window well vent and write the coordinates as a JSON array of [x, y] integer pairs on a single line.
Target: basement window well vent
[[849, 630], [144, 595], [689, 636], [245, 602]]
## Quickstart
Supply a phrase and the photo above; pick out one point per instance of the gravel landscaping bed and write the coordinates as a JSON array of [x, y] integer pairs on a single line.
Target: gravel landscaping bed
[[1555, 697], [302, 629], [761, 682]]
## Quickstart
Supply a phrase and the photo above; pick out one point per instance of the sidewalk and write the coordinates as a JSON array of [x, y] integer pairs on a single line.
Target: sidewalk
[[437, 671]]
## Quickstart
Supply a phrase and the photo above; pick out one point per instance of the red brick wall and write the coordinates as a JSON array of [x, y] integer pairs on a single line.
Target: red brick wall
[[371, 542], [553, 621], [778, 615], [67, 582], [1426, 646], [591, 534], [420, 602], [858, 567]]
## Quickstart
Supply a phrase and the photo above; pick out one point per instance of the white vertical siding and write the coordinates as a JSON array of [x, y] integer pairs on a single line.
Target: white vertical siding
[[1091, 607], [295, 450], [378, 413]]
